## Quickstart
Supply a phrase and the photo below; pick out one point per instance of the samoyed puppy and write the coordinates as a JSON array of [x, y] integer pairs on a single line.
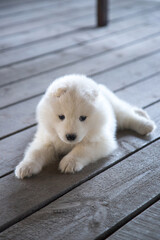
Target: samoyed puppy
[[77, 119]]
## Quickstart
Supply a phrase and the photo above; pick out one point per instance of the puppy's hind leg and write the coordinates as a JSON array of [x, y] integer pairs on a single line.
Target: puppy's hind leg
[[135, 119], [128, 116]]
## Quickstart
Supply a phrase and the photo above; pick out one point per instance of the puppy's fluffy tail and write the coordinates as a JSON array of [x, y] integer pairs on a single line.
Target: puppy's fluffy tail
[[128, 116]]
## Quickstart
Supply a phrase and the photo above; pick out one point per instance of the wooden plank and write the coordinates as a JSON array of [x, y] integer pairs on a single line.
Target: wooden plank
[[118, 14], [26, 26], [47, 31], [60, 9], [23, 27], [40, 48], [6, 4], [33, 66], [39, 34], [130, 73], [28, 68], [134, 71], [16, 113], [108, 61], [13, 154], [96, 205], [58, 13], [33, 6], [145, 226]]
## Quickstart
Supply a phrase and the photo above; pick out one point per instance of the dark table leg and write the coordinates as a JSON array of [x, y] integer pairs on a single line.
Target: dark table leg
[[102, 12]]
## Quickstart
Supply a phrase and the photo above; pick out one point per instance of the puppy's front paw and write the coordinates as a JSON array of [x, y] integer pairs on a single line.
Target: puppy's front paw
[[26, 169], [69, 165]]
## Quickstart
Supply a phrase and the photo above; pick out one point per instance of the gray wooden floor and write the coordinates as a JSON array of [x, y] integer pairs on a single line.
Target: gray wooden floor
[[117, 197]]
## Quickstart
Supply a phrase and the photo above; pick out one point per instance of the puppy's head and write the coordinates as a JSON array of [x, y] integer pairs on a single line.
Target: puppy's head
[[72, 102]]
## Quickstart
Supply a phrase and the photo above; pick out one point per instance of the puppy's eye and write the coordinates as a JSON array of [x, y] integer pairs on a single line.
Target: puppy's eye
[[62, 117], [82, 118]]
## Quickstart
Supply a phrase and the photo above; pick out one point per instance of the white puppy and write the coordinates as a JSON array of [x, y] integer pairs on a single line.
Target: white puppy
[[77, 118]]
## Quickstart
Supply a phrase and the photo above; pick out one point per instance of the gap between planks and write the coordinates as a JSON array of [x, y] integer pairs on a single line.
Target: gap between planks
[[35, 209], [92, 175], [49, 13], [73, 44], [127, 219], [100, 53], [66, 30], [94, 75]]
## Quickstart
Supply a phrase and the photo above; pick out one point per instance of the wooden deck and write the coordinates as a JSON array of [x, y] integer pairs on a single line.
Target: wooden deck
[[117, 197]]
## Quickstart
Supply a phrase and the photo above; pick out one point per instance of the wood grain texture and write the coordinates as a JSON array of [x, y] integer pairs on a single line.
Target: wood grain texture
[[39, 22], [44, 40], [67, 17], [18, 7], [98, 204], [12, 149], [50, 45], [144, 226], [108, 60], [50, 183], [119, 13], [130, 74], [58, 13], [51, 61], [44, 32]]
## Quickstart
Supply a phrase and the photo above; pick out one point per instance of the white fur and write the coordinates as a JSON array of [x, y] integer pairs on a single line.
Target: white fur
[[75, 96]]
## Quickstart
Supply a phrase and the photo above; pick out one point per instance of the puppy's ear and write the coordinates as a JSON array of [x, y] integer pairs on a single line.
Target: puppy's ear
[[59, 91], [91, 94]]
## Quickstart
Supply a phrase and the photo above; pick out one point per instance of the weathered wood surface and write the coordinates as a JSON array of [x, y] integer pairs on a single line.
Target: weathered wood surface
[[12, 149], [23, 26], [119, 14], [147, 46], [145, 226], [51, 61], [57, 12], [50, 183], [98, 204], [50, 45], [31, 6], [132, 72], [125, 56], [43, 32]]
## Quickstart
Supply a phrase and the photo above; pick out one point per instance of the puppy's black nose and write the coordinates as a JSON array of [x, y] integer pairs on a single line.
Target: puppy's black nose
[[71, 137]]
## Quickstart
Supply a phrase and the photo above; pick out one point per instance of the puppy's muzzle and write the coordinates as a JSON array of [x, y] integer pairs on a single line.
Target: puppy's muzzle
[[71, 137]]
